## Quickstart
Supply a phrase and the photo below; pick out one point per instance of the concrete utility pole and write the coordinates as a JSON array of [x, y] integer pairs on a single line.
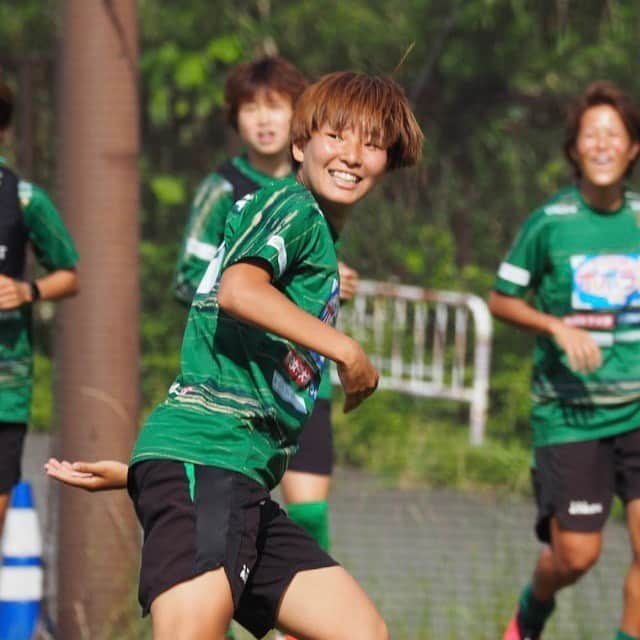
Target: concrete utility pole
[[97, 344]]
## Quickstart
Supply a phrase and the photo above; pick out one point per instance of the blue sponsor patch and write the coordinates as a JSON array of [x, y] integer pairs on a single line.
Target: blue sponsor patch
[[603, 282], [329, 314], [629, 318]]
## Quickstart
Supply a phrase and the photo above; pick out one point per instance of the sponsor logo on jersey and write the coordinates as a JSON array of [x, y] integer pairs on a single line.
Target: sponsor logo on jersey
[[298, 369], [329, 314], [3, 250], [629, 318], [283, 389], [591, 320], [603, 282], [584, 508], [561, 209], [244, 573]]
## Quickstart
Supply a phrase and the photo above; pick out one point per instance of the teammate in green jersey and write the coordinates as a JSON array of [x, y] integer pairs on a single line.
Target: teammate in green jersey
[[259, 329], [27, 217], [579, 254], [259, 97]]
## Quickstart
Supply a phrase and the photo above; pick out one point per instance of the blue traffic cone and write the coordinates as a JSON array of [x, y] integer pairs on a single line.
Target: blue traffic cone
[[21, 573]]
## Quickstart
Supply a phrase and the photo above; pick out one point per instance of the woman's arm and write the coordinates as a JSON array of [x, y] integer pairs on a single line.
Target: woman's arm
[[246, 293], [582, 351]]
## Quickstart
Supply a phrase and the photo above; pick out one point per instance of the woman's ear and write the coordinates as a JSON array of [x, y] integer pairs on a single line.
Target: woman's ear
[[297, 152]]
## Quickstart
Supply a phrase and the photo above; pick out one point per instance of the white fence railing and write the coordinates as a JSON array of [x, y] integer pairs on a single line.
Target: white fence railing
[[423, 344]]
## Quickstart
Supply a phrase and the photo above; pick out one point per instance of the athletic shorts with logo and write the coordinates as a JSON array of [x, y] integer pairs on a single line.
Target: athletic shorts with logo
[[198, 518], [315, 454], [11, 445], [576, 481]]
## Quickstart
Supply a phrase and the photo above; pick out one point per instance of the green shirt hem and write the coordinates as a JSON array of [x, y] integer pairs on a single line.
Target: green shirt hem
[[220, 463]]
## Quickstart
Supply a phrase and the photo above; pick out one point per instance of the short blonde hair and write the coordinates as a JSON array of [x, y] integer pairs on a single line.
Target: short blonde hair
[[375, 106]]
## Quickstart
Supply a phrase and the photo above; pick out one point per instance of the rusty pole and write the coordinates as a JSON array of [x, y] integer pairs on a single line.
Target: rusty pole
[[97, 346]]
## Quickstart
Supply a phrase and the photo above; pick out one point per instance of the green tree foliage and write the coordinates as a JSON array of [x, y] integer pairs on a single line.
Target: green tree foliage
[[490, 81]]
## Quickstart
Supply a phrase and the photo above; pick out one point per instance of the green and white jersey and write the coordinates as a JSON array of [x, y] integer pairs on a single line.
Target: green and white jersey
[[207, 217], [54, 250], [583, 266], [243, 394]]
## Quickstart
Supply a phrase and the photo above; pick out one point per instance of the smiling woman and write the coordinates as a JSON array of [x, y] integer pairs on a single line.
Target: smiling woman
[[340, 168], [345, 147], [580, 255]]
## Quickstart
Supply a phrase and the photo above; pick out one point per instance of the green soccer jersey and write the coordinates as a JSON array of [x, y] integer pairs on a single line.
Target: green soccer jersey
[[583, 266], [205, 228], [243, 394], [54, 250], [205, 232]]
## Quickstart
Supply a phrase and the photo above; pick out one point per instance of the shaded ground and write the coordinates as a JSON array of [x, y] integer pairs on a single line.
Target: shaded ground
[[439, 564]]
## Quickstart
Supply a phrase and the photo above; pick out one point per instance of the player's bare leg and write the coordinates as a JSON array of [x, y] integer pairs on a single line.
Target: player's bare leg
[[299, 486], [631, 613], [305, 495], [328, 604], [570, 556], [198, 609]]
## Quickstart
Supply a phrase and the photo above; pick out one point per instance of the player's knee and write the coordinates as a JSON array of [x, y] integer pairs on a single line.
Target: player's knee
[[574, 563], [631, 589]]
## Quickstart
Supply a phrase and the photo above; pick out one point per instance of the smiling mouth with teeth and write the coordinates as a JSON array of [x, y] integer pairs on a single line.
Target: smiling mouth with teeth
[[347, 177]]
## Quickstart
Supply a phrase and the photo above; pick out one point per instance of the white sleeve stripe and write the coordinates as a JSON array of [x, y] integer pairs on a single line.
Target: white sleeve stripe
[[278, 244], [512, 273], [202, 250]]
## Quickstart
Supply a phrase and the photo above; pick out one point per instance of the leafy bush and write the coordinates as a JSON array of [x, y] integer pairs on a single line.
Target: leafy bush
[[426, 441]]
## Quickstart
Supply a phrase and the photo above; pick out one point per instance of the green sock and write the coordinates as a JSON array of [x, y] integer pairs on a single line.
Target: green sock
[[313, 517], [532, 613], [621, 635]]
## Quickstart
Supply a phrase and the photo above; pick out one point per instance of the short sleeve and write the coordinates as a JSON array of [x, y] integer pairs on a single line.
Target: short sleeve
[[51, 241], [523, 267], [283, 237]]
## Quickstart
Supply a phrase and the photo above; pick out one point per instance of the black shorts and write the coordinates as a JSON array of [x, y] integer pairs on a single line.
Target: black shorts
[[230, 522], [11, 446], [316, 442], [576, 481]]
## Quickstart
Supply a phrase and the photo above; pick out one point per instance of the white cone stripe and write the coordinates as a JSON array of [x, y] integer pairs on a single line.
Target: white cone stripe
[[18, 584], [21, 534]]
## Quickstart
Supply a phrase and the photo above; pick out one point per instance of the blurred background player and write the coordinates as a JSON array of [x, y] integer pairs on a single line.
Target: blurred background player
[[579, 254], [259, 97], [27, 217]]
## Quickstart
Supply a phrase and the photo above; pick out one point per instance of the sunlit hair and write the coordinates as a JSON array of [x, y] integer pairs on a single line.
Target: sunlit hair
[[374, 106], [596, 94], [270, 74], [6, 105]]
